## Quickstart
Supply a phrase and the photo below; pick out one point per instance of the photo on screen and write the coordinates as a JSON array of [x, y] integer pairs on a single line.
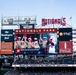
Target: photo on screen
[[44, 43]]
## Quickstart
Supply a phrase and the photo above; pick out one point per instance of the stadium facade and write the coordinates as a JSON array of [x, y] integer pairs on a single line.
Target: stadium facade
[[51, 44]]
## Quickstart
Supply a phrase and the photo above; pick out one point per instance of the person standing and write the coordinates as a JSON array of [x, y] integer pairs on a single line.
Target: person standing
[[30, 42], [36, 44], [51, 45], [44, 42]]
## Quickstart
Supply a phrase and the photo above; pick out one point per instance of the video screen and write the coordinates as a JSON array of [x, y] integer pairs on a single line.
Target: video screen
[[41, 43]]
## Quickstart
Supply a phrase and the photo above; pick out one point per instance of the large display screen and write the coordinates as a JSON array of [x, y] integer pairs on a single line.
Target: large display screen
[[36, 43]]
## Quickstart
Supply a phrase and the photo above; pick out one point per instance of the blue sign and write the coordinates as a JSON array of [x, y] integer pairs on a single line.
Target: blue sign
[[30, 51], [7, 35], [65, 34]]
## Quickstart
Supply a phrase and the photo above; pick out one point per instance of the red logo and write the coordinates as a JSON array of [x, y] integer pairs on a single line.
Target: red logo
[[17, 50], [65, 47], [61, 21]]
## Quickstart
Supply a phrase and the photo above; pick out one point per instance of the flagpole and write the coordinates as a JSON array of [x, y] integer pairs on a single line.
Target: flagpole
[[71, 20]]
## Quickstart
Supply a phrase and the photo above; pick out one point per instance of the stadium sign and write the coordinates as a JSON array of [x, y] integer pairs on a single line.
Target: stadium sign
[[65, 47], [17, 20], [7, 35], [6, 47], [61, 21], [65, 34], [27, 51], [43, 30]]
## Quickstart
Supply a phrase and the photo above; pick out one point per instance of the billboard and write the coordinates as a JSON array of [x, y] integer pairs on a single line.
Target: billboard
[[35, 42], [65, 47], [7, 35], [61, 21], [65, 34], [17, 20], [6, 47]]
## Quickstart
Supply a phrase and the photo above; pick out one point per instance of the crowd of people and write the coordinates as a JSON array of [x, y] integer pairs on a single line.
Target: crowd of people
[[36, 71], [25, 42]]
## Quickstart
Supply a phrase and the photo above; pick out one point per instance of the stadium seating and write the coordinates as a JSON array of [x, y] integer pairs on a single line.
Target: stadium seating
[[41, 60], [40, 73]]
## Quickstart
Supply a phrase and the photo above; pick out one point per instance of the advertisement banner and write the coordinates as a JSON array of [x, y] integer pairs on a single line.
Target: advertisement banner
[[7, 35], [65, 34], [42, 43], [39, 30], [6, 47], [65, 47]]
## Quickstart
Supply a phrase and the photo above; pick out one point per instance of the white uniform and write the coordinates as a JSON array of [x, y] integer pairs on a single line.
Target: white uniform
[[51, 49]]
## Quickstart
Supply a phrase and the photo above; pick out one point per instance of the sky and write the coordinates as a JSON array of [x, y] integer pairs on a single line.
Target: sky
[[40, 9]]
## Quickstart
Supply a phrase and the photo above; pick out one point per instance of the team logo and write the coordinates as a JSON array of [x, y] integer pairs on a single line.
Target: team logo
[[61, 34], [17, 50]]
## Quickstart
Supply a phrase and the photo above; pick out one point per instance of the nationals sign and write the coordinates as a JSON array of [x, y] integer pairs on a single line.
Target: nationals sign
[[61, 21], [40, 30], [65, 47]]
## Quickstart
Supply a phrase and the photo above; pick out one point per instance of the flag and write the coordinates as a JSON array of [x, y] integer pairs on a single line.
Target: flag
[[70, 17]]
